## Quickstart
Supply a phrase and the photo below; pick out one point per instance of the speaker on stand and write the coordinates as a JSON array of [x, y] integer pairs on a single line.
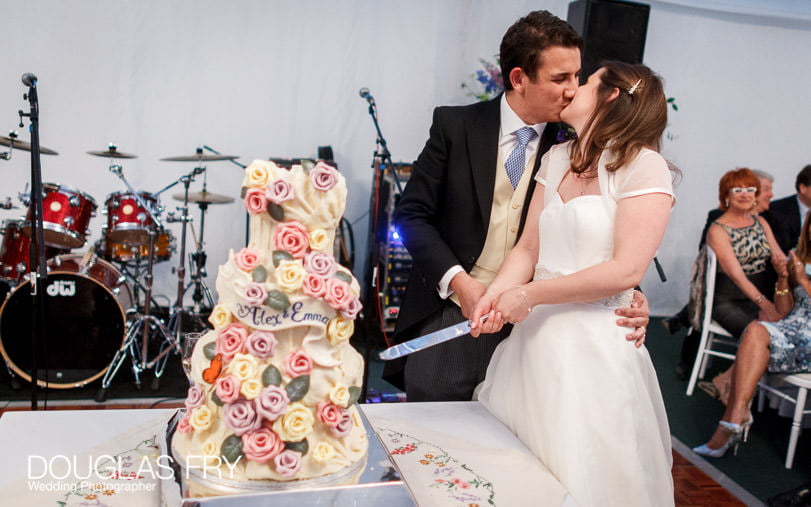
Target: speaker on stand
[[611, 30]]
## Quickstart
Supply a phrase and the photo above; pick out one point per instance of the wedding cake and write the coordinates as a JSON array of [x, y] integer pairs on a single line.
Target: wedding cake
[[274, 384]]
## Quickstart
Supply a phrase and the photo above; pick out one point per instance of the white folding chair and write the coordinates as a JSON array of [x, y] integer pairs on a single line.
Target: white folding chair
[[712, 333], [777, 384]]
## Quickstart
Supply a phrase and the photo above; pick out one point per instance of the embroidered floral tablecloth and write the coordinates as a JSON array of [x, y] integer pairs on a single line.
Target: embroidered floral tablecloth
[[443, 470]]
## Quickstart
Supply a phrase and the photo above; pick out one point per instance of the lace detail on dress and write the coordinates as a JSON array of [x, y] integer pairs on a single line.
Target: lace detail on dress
[[621, 300]]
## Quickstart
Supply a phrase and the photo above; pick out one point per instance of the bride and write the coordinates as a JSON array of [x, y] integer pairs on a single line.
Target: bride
[[566, 381]]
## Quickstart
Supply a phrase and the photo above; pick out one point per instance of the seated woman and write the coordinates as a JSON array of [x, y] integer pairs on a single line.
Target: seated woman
[[743, 243], [780, 347]]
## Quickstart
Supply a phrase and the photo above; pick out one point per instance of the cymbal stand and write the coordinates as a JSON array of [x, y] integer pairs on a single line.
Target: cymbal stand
[[197, 260], [175, 325], [143, 322]]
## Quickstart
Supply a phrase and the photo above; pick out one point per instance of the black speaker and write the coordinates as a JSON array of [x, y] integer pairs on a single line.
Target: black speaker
[[611, 30]]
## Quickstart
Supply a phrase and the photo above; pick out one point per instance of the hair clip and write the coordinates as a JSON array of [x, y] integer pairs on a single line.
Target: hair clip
[[634, 87]]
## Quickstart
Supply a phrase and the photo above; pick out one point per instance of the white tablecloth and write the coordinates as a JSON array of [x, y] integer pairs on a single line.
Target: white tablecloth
[[448, 453]]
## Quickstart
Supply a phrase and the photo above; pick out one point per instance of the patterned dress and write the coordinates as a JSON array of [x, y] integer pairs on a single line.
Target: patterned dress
[[731, 308], [790, 349]]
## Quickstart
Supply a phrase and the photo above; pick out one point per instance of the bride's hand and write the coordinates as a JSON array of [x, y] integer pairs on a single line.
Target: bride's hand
[[513, 305], [493, 323], [636, 316]]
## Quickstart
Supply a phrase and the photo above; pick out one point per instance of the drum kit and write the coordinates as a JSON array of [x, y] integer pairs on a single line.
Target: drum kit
[[99, 305]]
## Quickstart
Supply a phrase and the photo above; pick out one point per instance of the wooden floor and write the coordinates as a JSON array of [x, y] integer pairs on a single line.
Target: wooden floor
[[693, 487]]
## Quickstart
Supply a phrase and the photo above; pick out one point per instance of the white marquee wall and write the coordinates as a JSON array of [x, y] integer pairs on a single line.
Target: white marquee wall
[[259, 79]]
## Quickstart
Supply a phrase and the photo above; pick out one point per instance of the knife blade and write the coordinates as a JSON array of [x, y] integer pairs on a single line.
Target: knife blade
[[428, 340]]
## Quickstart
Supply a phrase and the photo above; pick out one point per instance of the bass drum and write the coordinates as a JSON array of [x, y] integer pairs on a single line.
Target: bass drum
[[85, 322]]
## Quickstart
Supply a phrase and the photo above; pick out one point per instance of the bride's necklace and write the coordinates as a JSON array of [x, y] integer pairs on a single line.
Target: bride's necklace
[[583, 179]]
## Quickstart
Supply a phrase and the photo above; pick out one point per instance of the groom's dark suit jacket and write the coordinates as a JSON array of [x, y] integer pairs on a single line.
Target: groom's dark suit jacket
[[444, 211], [786, 222]]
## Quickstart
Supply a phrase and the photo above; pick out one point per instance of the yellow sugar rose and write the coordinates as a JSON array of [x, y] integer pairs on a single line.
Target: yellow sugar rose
[[319, 240], [250, 388], [211, 452], [295, 424], [244, 367], [339, 330], [220, 317], [290, 275], [322, 452], [201, 418], [339, 395], [256, 175]]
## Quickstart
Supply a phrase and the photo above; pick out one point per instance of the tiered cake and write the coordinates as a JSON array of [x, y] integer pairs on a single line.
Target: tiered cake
[[275, 382]]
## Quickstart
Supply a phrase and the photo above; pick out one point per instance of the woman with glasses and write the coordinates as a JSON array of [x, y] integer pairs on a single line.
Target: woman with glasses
[[744, 244], [779, 347]]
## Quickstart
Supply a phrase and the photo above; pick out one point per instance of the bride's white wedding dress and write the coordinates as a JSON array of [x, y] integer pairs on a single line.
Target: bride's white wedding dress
[[566, 381]]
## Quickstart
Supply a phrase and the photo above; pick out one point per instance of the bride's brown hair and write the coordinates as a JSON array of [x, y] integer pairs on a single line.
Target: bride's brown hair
[[635, 119]]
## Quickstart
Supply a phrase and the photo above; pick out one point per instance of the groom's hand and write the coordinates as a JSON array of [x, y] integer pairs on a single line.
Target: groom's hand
[[636, 316], [468, 290]]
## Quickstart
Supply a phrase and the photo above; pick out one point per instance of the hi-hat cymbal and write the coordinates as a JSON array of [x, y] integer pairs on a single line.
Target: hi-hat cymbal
[[199, 157], [112, 152], [22, 145], [205, 198]]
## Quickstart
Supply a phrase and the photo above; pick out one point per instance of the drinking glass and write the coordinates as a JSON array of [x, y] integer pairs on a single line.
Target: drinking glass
[[189, 342]]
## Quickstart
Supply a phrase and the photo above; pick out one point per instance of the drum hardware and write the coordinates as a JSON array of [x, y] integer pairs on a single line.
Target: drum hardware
[[112, 152], [14, 143], [205, 197], [143, 324], [247, 215], [199, 156]]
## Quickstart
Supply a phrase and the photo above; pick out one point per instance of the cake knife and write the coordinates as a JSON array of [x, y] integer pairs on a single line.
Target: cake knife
[[428, 340]]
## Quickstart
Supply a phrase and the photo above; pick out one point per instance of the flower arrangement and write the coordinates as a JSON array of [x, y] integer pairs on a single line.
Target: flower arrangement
[[488, 81]]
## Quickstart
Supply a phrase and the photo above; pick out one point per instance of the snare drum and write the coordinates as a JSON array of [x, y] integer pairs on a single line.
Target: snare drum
[[127, 221], [128, 253], [14, 253], [66, 215], [85, 322]]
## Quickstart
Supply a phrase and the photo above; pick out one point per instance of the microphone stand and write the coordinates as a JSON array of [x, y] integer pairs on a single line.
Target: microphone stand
[[38, 271]]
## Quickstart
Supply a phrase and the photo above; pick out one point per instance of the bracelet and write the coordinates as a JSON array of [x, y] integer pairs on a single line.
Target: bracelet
[[778, 292], [526, 299], [759, 299]]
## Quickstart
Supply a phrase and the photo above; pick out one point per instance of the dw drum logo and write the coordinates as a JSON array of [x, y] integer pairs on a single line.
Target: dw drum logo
[[62, 288]]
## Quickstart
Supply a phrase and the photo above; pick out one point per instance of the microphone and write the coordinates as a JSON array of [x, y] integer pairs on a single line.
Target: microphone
[[364, 94], [29, 79]]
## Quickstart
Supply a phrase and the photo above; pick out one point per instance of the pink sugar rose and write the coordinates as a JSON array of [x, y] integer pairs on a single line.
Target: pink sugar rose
[[255, 201], [261, 344], [329, 413], [292, 236], [183, 425], [261, 445], [280, 191], [195, 397], [227, 388], [314, 286], [338, 293], [344, 426], [298, 363], [231, 340], [271, 402], [288, 462], [351, 310], [246, 259], [323, 177], [241, 417], [320, 263], [255, 294]]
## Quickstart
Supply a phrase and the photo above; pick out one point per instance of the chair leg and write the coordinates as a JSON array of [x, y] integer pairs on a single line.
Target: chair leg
[[796, 425]]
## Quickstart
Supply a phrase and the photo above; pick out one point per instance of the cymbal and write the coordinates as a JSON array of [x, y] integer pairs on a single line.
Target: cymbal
[[22, 145], [112, 152], [199, 157], [205, 197]]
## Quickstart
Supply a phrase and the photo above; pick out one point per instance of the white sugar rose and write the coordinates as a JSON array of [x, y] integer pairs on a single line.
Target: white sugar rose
[[295, 424], [211, 453], [201, 418], [250, 388], [339, 395], [244, 367], [220, 317], [290, 275], [319, 240], [322, 452], [256, 175], [339, 330]]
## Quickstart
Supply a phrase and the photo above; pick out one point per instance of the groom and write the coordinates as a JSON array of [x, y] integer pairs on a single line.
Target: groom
[[466, 202]]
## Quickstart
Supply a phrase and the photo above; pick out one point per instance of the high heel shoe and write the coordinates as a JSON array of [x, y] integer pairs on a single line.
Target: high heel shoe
[[737, 432]]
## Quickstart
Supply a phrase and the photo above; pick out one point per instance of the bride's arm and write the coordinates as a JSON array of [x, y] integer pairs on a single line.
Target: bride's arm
[[517, 268], [639, 226]]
